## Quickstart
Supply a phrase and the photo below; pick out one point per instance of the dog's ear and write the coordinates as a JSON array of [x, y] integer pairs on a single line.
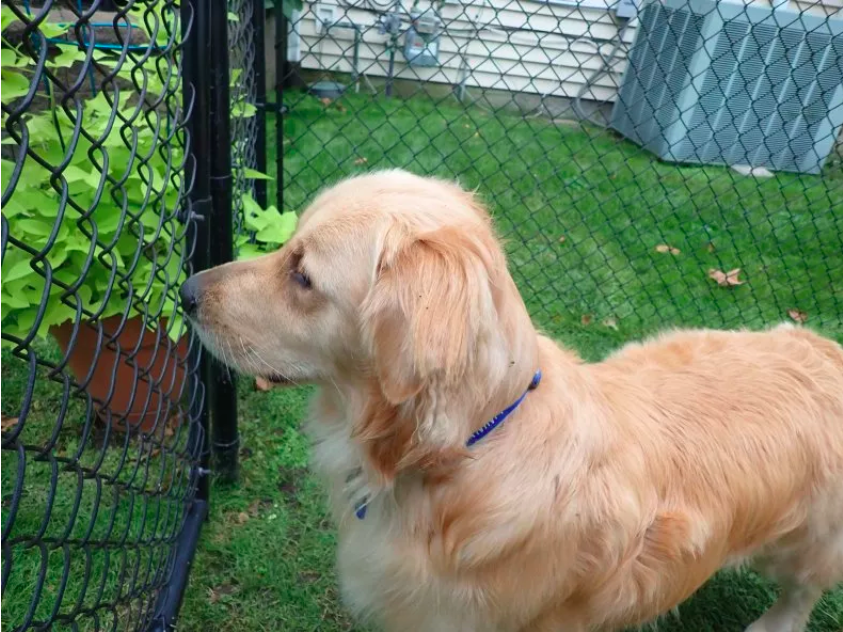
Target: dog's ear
[[431, 300]]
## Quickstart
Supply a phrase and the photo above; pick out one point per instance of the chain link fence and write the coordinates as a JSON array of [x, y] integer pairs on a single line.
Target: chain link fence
[[103, 410], [245, 116], [649, 163]]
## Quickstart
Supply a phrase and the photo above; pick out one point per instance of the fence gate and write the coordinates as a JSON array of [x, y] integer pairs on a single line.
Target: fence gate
[[114, 189]]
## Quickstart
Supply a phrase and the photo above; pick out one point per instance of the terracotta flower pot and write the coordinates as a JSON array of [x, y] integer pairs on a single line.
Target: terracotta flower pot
[[126, 411]]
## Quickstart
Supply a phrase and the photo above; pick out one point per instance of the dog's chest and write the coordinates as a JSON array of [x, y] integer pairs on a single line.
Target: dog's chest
[[381, 567]]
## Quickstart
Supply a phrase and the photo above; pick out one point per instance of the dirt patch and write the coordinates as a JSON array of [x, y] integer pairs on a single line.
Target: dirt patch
[[289, 483]]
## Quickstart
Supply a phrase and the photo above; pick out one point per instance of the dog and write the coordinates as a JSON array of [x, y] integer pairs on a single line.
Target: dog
[[483, 478]]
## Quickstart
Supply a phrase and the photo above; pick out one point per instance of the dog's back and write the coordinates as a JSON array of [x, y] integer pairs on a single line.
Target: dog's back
[[741, 436]]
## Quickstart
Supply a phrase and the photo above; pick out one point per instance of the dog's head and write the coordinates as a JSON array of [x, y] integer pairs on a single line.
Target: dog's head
[[393, 285]]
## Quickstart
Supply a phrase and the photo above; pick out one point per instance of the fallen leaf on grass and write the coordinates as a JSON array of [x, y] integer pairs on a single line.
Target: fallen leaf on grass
[[586, 319], [726, 279], [361, 161], [326, 101], [308, 577], [476, 134], [242, 517], [710, 247], [562, 239], [341, 108], [611, 323], [8, 422], [215, 594], [664, 249], [262, 384], [797, 315]]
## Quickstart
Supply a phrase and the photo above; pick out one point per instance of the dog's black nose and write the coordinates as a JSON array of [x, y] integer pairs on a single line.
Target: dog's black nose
[[189, 296]]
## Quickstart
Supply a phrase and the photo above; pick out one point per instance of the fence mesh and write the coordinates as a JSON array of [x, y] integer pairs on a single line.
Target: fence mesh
[[100, 435], [649, 163], [244, 111]]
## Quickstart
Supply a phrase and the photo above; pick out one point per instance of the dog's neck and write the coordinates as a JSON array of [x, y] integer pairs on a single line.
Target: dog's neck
[[427, 434]]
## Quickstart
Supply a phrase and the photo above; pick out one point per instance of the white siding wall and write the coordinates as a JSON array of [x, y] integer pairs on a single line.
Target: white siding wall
[[533, 46], [520, 46]]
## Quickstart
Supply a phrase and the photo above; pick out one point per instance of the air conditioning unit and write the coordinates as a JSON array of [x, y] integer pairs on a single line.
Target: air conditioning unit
[[716, 82]]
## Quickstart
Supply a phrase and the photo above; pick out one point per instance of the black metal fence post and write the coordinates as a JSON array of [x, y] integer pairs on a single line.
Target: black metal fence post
[[223, 387], [197, 74]]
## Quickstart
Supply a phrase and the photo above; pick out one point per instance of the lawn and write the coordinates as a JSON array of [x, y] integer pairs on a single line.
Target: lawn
[[587, 218]]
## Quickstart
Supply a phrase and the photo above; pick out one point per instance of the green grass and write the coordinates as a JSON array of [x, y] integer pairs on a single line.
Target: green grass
[[274, 571], [64, 504], [265, 561], [611, 202]]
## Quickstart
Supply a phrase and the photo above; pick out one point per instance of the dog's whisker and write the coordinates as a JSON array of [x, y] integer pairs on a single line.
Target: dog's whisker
[[274, 370], [248, 356]]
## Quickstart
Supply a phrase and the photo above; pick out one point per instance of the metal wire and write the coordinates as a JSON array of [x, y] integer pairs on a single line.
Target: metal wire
[[612, 218], [101, 434], [245, 110]]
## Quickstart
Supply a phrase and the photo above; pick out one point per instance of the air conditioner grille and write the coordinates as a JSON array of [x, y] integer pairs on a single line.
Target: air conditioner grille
[[754, 87]]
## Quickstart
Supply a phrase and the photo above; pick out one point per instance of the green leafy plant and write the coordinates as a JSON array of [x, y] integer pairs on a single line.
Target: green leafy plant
[[106, 223], [265, 229]]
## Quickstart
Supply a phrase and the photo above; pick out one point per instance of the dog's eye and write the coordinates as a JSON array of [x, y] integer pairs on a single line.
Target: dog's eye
[[302, 279]]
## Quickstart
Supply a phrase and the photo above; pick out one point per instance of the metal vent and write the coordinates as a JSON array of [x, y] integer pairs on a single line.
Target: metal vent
[[720, 83]]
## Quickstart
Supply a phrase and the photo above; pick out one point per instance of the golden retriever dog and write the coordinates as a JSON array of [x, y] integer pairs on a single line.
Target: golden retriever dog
[[609, 493]]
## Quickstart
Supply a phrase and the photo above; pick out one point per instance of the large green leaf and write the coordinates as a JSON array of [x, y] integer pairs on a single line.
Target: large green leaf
[[35, 227], [248, 251], [256, 175], [16, 265], [14, 207], [15, 85], [279, 230], [53, 29], [254, 216], [243, 110], [32, 176], [6, 17], [13, 300], [67, 57], [11, 58]]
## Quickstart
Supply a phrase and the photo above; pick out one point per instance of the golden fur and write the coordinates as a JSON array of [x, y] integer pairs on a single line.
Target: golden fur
[[607, 498]]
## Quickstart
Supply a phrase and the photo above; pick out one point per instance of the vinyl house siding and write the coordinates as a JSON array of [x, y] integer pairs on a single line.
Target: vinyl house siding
[[527, 46], [547, 48]]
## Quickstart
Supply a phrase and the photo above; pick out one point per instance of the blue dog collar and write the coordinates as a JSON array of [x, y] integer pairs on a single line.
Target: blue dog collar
[[497, 420]]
